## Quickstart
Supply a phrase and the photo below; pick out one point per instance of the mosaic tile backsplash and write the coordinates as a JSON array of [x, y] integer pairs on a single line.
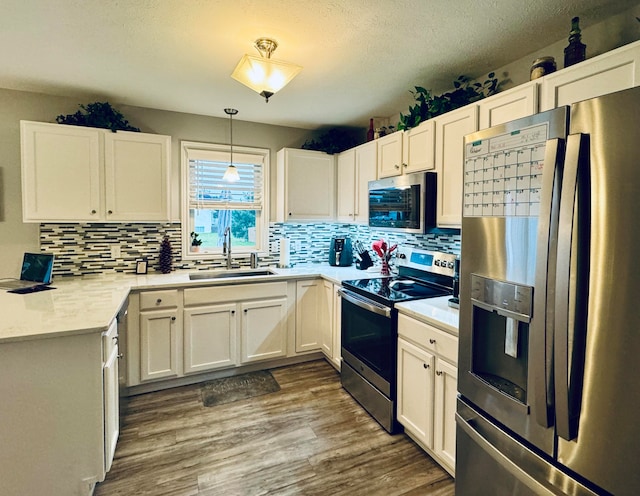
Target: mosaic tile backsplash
[[82, 249]]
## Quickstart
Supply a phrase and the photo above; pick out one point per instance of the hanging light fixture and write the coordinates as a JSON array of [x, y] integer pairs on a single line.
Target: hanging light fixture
[[231, 174], [263, 74]]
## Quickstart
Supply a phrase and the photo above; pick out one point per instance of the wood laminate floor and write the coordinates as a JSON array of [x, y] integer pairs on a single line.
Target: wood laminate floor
[[309, 438]]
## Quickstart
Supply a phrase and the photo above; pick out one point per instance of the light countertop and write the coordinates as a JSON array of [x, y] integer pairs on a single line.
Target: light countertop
[[80, 305], [89, 304], [434, 311]]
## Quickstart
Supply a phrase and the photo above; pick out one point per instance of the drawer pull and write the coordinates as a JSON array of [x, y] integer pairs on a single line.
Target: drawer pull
[[432, 341], [426, 366], [158, 301]]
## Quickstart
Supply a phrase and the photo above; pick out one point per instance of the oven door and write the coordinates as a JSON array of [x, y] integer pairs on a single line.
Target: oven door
[[369, 340]]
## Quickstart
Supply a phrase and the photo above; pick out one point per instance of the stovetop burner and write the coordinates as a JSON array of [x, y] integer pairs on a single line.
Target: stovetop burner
[[421, 274], [396, 289]]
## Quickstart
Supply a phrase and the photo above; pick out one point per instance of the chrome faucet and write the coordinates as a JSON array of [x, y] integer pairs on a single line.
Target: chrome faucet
[[226, 248]]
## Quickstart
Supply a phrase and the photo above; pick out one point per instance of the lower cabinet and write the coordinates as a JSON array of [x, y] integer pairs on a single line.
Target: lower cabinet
[[427, 388], [59, 413], [181, 332], [330, 319], [264, 329], [209, 337]]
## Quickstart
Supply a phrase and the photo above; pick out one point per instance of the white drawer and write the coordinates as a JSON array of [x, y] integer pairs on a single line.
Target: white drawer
[[152, 300], [233, 292], [428, 337]]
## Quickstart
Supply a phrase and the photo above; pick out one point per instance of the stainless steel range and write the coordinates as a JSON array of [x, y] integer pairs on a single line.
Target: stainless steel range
[[370, 326]]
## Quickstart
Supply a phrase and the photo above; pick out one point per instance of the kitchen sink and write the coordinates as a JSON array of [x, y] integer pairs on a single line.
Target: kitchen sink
[[225, 274]]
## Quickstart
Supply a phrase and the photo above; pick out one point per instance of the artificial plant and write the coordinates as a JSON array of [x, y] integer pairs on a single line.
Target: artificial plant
[[97, 114], [428, 105]]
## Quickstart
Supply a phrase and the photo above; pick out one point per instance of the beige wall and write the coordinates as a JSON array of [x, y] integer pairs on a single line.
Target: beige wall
[[17, 237]]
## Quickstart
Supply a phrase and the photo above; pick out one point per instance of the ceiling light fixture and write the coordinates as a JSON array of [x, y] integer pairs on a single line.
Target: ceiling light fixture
[[231, 174], [263, 74]]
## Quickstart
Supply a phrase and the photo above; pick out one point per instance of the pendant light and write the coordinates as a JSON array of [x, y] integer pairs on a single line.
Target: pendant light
[[263, 74], [231, 174]]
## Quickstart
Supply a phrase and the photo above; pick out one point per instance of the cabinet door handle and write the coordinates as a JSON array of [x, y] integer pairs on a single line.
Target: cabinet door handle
[[438, 372], [405, 165], [426, 366], [110, 211], [93, 212], [289, 213], [396, 166], [432, 341], [233, 312], [245, 310], [173, 319]]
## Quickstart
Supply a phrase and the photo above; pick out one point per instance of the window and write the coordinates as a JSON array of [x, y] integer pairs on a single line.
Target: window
[[212, 206]]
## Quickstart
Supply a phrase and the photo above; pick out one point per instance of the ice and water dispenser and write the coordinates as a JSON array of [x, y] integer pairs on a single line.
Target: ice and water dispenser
[[500, 334]]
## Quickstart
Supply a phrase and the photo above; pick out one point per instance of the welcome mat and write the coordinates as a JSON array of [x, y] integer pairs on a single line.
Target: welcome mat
[[239, 387]]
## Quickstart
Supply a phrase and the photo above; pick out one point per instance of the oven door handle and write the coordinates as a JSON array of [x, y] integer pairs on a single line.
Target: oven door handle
[[367, 304]]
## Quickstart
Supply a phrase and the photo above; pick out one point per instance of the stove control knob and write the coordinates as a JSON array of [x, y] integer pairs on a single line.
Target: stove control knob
[[450, 265], [436, 263]]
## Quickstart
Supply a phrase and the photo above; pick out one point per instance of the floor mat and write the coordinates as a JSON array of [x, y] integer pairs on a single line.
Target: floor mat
[[239, 387]]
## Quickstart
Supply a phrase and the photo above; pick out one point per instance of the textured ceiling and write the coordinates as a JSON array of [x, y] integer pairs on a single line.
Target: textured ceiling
[[360, 57]]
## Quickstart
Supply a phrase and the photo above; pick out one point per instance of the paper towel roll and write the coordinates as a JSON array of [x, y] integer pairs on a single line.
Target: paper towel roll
[[284, 253]]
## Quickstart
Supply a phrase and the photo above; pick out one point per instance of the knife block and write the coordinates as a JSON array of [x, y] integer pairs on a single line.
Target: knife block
[[366, 261]]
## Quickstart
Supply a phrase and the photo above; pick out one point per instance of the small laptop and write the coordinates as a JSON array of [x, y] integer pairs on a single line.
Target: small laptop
[[36, 273]]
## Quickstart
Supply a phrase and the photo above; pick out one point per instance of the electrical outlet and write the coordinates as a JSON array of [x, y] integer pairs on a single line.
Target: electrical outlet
[[115, 251], [295, 246]]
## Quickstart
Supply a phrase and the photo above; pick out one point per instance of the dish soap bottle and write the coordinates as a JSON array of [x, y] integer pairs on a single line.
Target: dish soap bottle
[[576, 50]]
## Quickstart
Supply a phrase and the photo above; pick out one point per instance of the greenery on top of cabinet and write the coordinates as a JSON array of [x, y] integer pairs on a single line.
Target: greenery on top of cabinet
[[98, 114], [428, 106]]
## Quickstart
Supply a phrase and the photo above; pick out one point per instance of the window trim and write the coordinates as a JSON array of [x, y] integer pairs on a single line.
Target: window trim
[[262, 219]]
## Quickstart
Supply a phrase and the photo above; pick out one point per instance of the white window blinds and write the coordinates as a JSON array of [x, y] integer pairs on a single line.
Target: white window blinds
[[208, 190]]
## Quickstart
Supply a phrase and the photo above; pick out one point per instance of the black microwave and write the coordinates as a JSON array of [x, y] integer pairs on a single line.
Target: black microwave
[[404, 203]]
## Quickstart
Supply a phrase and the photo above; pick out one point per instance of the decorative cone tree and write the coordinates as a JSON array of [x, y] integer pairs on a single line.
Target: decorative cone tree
[[166, 256]]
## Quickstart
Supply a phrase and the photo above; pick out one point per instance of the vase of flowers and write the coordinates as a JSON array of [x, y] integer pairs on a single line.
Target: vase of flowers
[[384, 252]]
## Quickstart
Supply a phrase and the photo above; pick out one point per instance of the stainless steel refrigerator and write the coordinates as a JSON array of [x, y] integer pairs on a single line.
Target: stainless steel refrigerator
[[549, 364]]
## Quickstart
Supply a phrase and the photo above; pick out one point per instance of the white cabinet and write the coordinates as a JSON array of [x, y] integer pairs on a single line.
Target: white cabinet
[[451, 128], [310, 318], [390, 155], [419, 147], [264, 329], [355, 168], [59, 413], [305, 186], [506, 106], [175, 333], [613, 71], [79, 174], [110, 393], [160, 344], [427, 385], [209, 337], [331, 310]]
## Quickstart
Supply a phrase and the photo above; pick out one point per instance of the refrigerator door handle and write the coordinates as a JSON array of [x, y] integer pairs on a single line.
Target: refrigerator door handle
[[544, 296], [502, 459], [571, 289]]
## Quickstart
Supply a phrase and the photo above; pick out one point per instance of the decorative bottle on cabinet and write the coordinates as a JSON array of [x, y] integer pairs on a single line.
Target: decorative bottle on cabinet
[[370, 131], [576, 50]]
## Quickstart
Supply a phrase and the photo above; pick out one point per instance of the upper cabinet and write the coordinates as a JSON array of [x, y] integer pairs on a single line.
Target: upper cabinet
[[451, 128], [517, 102], [355, 168], [80, 174], [305, 185], [613, 71], [390, 155], [419, 147]]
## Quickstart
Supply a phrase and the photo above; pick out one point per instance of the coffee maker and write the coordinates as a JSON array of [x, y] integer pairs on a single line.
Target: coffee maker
[[340, 251]]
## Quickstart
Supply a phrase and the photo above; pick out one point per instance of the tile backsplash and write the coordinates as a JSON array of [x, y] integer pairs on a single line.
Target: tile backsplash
[[82, 249]]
